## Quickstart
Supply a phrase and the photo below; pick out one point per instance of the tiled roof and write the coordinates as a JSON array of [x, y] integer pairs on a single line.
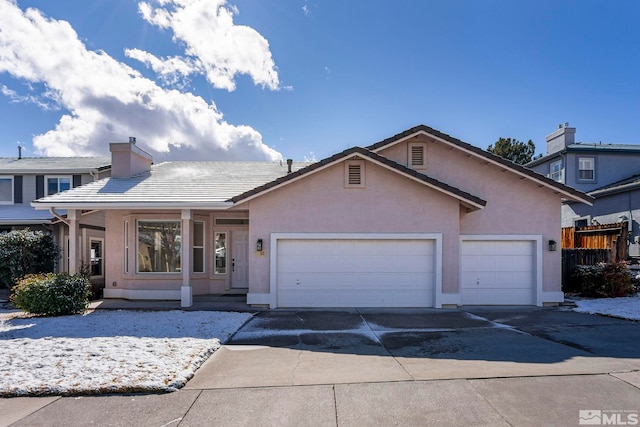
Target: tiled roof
[[173, 183], [20, 214], [464, 196], [483, 153], [52, 164]]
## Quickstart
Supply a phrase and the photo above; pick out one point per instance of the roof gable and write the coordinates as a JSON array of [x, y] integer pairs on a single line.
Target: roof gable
[[468, 200], [567, 192]]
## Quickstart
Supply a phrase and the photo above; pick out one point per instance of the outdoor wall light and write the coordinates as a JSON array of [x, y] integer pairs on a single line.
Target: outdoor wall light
[[553, 246], [259, 245]]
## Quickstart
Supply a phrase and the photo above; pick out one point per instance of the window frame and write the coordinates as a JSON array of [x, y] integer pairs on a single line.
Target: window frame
[[215, 254], [560, 171], [126, 247], [582, 159], [57, 177], [202, 256], [178, 269], [101, 258], [12, 191]]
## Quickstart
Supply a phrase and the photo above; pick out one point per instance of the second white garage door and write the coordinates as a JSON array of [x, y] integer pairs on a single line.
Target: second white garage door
[[355, 273], [497, 272]]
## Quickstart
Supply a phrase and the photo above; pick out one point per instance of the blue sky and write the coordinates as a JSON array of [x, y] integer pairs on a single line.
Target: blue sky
[[247, 79]]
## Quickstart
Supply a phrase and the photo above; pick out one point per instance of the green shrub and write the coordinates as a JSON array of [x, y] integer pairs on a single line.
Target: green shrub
[[52, 294], [603, 280], [25, 252]]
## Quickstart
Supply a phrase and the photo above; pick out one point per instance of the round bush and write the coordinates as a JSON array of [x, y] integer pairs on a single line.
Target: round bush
[[52, 294]]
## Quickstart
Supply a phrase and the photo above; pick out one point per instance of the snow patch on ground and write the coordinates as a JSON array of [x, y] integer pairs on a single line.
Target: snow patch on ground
[[108, 351], [625, 308]]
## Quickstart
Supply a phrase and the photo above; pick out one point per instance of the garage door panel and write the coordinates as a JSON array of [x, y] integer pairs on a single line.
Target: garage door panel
[[497, 272], [355, 273]]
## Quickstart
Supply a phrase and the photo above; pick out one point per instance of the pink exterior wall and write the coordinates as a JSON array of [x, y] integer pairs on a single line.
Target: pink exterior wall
[[203, 283], [389, 203], [514, 206]]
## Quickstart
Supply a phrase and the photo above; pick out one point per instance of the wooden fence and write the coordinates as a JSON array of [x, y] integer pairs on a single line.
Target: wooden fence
[[579, 256], [602, 236]]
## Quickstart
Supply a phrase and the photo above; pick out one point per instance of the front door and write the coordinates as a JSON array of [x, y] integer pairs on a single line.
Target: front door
[[240, 260]]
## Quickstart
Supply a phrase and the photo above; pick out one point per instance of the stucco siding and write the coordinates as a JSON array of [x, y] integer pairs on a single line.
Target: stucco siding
[[320, 203]]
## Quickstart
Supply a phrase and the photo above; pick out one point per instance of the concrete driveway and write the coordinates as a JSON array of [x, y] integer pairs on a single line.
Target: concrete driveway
[[477, 366]]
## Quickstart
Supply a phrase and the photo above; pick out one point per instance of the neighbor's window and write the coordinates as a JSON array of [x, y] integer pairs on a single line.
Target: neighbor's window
[[6, 190], [220, 263], [159, 246], [586, 168], [198, 247], [555, 171], [56, 184]]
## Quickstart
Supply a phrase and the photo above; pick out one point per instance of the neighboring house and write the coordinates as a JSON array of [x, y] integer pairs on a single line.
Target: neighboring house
[[608, 172], [418, 220], [24, 179]]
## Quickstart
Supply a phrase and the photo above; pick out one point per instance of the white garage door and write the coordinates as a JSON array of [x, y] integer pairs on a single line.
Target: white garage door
[[355, 273], [497, 272]]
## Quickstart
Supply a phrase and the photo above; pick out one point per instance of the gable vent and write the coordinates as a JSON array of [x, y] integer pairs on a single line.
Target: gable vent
[[417, 155], [355, 175]]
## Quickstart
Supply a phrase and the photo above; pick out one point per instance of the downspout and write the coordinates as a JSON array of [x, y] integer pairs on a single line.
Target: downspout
[[53, 212]]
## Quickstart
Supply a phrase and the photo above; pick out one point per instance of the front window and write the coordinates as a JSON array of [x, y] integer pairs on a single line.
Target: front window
[[56, 184], [159, 246], [6, 190], [555, 171], [198, 247], [97, 263], [220, 264], [586, 168]]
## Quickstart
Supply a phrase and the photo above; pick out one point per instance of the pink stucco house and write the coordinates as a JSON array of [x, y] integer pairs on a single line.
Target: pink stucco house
[[420, 219]]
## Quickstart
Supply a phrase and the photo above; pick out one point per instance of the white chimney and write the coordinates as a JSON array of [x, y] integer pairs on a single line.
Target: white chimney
[[128, 160], [559, 139]]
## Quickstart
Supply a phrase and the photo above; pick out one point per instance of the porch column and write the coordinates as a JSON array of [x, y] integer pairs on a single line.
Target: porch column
[[74, 234], [186, 292]]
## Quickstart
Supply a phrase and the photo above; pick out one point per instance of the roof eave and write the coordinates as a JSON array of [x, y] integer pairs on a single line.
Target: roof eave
[[146, 205]]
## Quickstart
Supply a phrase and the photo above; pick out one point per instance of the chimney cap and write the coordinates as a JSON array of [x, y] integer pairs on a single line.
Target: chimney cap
[[132, 139]]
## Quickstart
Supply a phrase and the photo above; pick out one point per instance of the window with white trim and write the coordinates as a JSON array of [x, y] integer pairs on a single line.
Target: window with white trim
[[354, 174], [220, 253], [586, 168], [56, 184], [97, 257], [417, 156], [6, 190], [198, 247], [126, 246], [556, 172], [159, 246]]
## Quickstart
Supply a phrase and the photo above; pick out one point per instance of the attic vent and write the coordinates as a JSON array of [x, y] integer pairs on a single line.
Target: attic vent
[[354, 174], [416, 156]]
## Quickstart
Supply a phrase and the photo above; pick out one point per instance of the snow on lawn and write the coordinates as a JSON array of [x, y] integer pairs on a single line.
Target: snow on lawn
[[625, 308], [108, 351]]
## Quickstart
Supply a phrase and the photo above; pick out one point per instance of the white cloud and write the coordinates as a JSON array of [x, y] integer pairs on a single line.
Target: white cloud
[[46, 100], [173, 70], [218, 48], [108, 101]]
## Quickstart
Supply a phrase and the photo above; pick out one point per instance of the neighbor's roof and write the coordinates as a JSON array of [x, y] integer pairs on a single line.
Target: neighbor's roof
[[20, 214], [582, 147], [568, 192], [171, 184], [467, 199], [627, 184], [53, 164]]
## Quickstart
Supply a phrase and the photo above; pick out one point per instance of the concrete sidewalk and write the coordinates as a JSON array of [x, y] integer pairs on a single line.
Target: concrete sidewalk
[[506, 366]]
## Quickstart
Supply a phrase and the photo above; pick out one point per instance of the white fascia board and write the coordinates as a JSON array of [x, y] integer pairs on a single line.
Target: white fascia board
[[569, 196], [131, 205], [25, 221]]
